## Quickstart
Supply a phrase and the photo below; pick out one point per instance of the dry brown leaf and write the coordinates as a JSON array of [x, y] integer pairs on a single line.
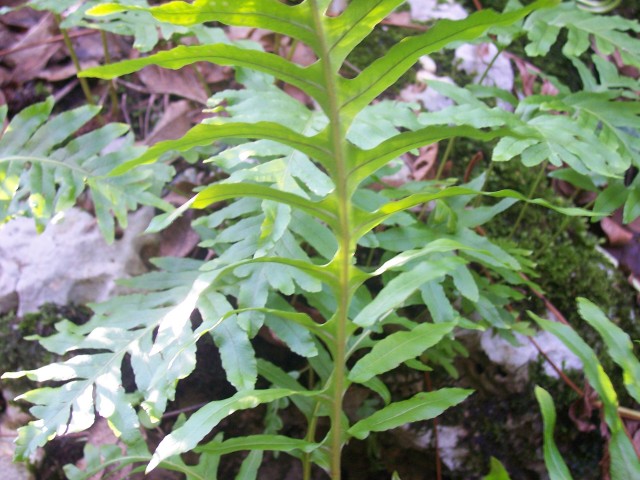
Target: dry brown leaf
[[249, 33], [580, 412], [22, 18], [183, 83], [423, 164], [5, 76], [616, 233], [302, 55], [548, 88], [298, 94], [7, 37], [178, 239], [213, 73], [628, 255], [635, 225], [528, 74], [63, 72], [30, 62], [173, 124]]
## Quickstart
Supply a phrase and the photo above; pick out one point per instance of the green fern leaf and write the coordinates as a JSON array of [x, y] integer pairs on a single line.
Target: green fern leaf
[[44, 169]]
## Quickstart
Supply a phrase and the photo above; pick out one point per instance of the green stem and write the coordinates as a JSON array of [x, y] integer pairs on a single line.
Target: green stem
[[452, 140], [534, 187], [292, 49], [487, 174], [113, 95], [346, 247], [74, 58], [493, 60], [445, 157], [310, 437], [561, 228]]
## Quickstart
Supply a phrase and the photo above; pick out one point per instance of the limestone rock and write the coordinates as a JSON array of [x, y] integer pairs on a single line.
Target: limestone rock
[[68, 263], [514, 358]]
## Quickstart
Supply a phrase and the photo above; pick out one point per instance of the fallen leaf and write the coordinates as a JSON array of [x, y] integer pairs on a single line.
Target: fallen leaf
[[580, 412], [63, 72], [31, 61], [528, 73], [617, 235], [425, 10], [423, 164], [183, 83], [179, 239], [628, 256], [22, 18], [173, 124]]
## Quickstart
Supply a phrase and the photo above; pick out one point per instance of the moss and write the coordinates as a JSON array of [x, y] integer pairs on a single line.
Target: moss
[[568, 263], [17, 353], [376, 45]]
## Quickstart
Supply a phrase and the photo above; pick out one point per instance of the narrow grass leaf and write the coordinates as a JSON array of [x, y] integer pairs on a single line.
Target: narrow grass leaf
[[556, 466]]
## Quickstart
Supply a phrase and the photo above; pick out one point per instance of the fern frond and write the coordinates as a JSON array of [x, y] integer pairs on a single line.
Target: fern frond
[[45, 166]]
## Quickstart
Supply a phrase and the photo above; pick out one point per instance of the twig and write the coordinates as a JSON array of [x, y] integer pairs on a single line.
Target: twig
[[147, 115], [427, 381], [534, 187], [547, 303], [557, 369], [64, 91], [113, 95], [54, 39], [132, 86], [175, 413], [76, 63], [445, 157], [123, 109]]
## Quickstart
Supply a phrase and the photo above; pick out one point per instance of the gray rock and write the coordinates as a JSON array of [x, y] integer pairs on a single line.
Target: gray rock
[[515, 359], [68, 263]]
